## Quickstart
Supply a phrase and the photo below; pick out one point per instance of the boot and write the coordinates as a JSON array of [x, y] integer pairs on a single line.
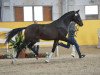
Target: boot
[[82, 56]]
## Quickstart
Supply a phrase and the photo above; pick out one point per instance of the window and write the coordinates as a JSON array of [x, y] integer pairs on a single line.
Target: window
[[43, 13], [28, 13], [31, 13], [38, 13], [91, 12]]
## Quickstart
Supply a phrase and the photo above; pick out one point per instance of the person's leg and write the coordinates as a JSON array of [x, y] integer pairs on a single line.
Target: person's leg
[[77, 47]]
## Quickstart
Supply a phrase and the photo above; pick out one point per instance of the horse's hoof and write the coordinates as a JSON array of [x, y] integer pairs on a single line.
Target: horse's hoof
[[73, 56], [36, 57], [13, 62], [47, 61], [82, 56]]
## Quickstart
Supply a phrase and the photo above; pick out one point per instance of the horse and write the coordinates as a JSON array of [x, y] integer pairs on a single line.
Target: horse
[[56, 30]]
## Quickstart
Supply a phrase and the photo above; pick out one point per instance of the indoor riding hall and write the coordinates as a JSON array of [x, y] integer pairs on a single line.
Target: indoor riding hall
[[22, 13]]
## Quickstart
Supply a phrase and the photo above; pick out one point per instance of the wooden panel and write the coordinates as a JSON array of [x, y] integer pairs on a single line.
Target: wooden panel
[[19, 15], [47, 13]]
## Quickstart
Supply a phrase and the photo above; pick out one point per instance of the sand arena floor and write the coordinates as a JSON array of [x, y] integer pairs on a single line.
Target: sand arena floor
[[62, 65]]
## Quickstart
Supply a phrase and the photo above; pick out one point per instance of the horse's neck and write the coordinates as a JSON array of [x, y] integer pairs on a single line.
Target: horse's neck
[[54, 23], [67, 23], [63, 21]]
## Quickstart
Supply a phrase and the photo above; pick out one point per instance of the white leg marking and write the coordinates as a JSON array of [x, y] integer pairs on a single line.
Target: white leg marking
[[49, 57]]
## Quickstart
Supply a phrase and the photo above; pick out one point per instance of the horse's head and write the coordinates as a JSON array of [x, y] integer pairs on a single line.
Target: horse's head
[[76, 18], [71, 16]]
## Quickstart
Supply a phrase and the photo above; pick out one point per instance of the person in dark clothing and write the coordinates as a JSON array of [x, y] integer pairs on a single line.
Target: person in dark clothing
[[71, 34]]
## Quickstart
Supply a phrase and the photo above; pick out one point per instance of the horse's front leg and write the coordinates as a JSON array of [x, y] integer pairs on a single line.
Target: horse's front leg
[[53, 50]]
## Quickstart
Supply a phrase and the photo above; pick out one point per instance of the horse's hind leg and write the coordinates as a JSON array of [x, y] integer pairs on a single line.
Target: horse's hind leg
[[53, 50], [35, 49]]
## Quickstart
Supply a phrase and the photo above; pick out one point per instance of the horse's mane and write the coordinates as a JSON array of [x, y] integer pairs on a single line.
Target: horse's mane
[[63, 17], [67, 14]]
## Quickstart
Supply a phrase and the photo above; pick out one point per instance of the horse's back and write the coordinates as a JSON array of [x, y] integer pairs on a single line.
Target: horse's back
[[38, 31]]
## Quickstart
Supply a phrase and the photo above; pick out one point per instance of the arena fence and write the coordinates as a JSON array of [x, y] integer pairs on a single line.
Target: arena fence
[[87, 35]]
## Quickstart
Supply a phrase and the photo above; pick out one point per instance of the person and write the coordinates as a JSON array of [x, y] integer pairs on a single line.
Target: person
[[71, 34]]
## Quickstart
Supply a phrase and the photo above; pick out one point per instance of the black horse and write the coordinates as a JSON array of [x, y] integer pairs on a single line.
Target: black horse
[[57, 30]]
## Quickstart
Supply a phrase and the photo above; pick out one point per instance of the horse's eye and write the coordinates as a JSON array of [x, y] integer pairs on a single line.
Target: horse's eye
[[76, 14]]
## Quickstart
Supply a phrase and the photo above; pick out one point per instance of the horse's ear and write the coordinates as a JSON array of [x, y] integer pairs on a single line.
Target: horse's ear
[[77, 11]]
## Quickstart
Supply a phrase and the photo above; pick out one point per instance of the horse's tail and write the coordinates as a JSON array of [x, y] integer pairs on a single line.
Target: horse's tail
[[12, 33]]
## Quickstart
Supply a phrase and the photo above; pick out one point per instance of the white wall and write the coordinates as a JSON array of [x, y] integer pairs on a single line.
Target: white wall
[[59, 6], [56, 10], [80, 4]]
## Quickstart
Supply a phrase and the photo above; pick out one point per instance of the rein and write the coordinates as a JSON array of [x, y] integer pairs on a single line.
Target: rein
[[77, 29]]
